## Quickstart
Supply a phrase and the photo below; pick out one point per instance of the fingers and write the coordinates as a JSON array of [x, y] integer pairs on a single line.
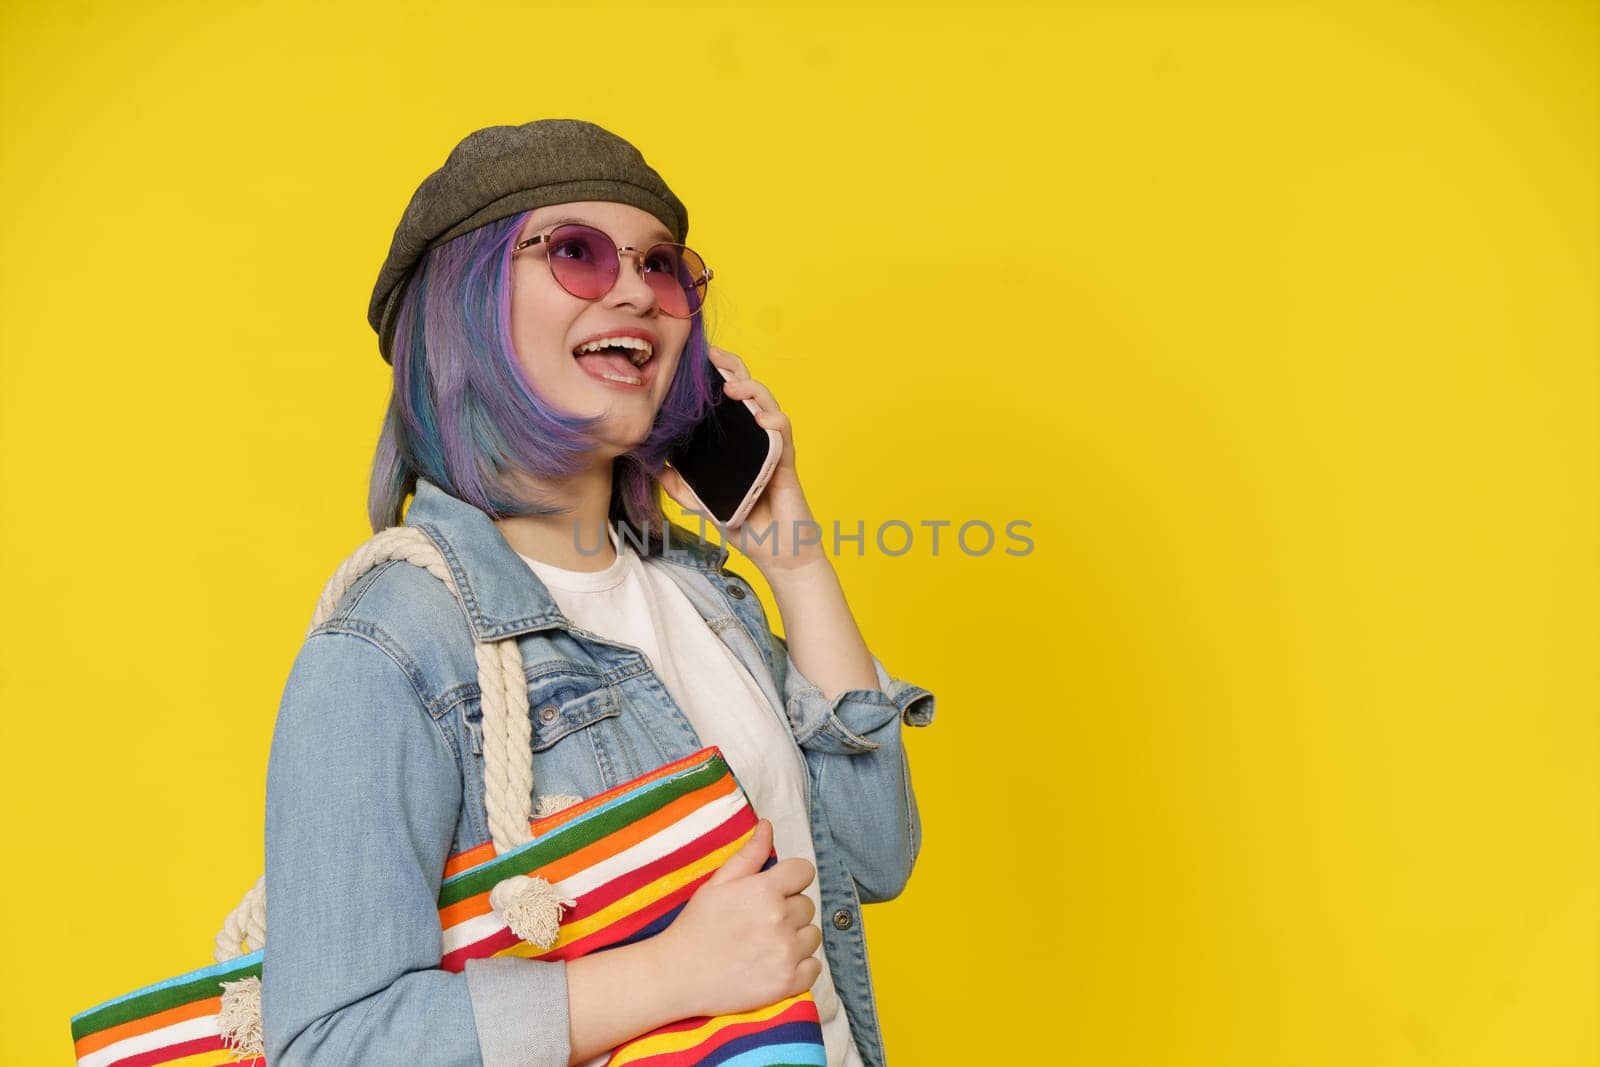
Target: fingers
[[672, 482], [679, 490], [749, 858], [776, 421], [798, 910], [771, 417], [723, 358], [806, 942], [791, 876], [810, 969], [743, 387], [750, 389]]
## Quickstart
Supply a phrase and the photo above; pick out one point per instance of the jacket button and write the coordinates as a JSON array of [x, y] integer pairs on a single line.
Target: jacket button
[[548, 715], [735, 591], [841, 919]]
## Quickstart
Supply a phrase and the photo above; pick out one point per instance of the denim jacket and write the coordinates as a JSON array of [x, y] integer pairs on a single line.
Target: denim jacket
[[375, 778]]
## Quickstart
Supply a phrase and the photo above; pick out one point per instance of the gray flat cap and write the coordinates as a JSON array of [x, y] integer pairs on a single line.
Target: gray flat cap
[[501, 171]]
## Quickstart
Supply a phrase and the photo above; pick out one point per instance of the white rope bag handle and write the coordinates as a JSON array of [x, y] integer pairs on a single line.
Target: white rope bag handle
[[530, 906]]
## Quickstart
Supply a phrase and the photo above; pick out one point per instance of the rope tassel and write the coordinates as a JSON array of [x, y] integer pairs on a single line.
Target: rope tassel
[[531, 907], [550, 803], [240, 1018]]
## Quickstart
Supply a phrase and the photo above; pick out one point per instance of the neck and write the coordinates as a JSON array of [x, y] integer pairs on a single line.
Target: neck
[[576, 540]]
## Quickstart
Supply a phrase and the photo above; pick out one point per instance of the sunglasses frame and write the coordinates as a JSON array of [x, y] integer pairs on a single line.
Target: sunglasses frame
[[702, 283]]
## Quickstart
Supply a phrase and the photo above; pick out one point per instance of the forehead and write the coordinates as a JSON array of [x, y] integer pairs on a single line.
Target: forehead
[[624, 222]]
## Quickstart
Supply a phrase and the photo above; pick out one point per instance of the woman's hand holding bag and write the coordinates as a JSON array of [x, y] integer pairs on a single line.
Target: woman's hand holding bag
[[745, 938]]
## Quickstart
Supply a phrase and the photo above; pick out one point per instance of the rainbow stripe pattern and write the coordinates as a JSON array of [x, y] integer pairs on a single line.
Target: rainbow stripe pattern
[[174, 1022], [630, 857]]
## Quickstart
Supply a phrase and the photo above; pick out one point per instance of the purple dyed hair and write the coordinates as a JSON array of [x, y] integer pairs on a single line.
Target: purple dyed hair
[[463, 415]]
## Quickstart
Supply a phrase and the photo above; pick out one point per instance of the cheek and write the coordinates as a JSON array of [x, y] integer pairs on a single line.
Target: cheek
[[529, 307], [539, 326], [669, 372], [682, 352]]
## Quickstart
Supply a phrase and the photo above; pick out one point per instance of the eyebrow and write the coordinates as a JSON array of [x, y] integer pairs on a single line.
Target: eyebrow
[[659, 234]]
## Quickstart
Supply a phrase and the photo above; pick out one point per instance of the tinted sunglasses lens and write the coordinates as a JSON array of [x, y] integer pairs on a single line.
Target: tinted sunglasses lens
[[677, 275], [583, 260]]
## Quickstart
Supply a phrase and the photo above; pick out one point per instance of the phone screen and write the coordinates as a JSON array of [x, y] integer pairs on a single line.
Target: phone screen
[[724, 455]]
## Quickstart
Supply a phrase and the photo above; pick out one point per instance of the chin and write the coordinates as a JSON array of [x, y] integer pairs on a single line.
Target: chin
[[617, 440]]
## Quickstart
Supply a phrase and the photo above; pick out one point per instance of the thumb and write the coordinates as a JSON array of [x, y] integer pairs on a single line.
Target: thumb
[[673, 483], [749, 859]]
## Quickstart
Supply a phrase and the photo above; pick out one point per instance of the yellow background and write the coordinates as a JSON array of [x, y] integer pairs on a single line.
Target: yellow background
[[1278, 323]]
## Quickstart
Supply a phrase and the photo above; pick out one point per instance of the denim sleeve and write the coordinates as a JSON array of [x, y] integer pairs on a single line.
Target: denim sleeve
[[363, 797], [859, 773]]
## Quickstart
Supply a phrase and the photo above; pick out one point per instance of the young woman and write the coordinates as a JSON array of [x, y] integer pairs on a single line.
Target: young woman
[[534, 464]]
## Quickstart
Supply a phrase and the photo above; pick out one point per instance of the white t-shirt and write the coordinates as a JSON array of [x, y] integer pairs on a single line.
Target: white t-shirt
[[634, 604]]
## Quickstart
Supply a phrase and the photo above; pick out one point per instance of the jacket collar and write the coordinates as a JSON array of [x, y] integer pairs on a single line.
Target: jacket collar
[[499, 592]]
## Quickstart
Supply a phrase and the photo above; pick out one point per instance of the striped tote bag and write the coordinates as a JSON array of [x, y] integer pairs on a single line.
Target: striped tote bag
[[596, 874]]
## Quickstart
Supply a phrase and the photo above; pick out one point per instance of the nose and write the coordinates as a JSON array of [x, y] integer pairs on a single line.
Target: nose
[[631, 289]]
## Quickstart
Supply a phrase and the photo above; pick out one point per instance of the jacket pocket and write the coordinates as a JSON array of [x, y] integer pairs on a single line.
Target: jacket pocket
[[561, 705], [558, 705], [580, 739]]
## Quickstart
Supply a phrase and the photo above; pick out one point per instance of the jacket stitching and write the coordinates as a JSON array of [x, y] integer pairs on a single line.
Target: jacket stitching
[[383, 642], [353, 596]]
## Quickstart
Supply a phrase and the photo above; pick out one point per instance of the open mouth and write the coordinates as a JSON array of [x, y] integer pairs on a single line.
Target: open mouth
[[616, 359]]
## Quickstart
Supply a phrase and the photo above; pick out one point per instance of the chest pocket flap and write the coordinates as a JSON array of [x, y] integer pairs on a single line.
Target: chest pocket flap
[[559, 704]]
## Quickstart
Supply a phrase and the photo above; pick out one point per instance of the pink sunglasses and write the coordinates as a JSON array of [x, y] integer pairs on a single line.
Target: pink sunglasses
[[586, 261]]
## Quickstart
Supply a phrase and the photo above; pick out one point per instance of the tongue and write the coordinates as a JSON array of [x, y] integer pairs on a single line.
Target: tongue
[[616, 364]]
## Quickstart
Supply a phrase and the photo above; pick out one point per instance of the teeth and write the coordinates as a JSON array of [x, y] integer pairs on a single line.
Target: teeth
[[608, 376], [642, 347]]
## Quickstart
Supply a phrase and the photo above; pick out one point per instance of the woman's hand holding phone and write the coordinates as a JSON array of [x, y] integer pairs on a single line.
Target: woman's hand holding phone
[[781, 512]]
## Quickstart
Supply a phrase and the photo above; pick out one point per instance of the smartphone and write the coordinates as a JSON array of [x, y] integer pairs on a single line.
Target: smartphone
[[728, 458]]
